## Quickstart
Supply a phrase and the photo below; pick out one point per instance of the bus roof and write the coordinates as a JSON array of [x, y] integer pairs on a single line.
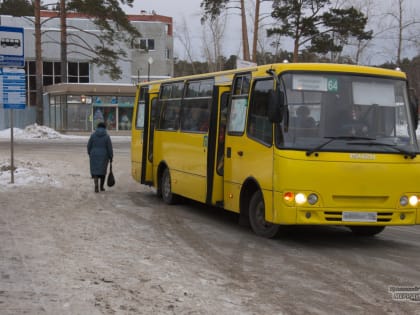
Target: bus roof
[[332, 67], [224, 77]]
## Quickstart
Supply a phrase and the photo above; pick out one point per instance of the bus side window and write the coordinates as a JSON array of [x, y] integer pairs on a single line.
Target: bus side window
[[170, 102], [259, 126], [170, 115], [224, 101], [195, 118], [195, 107], [239, 104]]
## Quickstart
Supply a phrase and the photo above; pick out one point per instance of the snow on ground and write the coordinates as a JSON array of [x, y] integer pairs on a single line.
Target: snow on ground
[[33, 173], [25, 174], [35, 131]]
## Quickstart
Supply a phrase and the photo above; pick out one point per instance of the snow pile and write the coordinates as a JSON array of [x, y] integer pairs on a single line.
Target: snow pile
[[43, 132], [34, 131], [38, 132], [26, 173]]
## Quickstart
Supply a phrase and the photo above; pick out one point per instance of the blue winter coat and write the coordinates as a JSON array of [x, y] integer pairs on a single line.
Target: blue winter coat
[[100, 151]]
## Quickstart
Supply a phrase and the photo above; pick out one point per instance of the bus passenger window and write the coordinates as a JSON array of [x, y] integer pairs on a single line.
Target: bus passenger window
[[195, 119], [170, 115], [170, 102], [195, 107]]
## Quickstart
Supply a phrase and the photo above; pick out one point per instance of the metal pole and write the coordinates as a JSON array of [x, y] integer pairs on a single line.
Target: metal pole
[[12, 166]]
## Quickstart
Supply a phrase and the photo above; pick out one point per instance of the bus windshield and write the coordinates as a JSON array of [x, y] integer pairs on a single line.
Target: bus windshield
[[346, 112]]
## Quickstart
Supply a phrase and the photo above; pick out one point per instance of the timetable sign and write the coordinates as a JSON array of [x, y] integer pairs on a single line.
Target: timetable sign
[[12, 88]]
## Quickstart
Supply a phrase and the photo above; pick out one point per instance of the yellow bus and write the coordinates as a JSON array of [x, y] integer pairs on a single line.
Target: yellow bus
[[284, 144]]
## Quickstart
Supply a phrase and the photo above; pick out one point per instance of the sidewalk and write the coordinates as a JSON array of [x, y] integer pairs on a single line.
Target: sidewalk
[[112, 133]]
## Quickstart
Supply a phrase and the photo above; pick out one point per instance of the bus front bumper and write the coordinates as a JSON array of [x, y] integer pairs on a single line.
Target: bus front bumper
[[324, 216]]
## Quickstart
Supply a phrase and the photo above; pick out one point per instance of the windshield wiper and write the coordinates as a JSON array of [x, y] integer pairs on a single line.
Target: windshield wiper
[[406, 153], [331, 139]]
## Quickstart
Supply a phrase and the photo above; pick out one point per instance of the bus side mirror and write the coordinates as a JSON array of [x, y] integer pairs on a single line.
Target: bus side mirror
[[414, 104], [276, 106]]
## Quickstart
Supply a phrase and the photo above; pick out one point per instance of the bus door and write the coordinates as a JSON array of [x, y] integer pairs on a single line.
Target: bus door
[[215, 159], [149, 128], [235, 130], [137, 132], [249, 140]]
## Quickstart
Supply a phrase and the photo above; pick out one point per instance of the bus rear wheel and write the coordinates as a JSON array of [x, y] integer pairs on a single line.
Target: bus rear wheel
[[165, 189], [366, 230], [257, 217]]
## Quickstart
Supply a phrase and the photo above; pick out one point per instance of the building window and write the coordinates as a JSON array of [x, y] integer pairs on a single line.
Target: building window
[[57, 72], [143, 44], [78, 72]]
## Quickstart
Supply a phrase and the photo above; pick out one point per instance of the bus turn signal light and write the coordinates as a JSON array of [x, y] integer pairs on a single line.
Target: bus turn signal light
[[289, 196]]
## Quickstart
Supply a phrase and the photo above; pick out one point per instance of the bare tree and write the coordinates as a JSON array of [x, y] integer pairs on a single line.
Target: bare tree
[[401, 21], [212, 47], [214, 8], [184, 37]]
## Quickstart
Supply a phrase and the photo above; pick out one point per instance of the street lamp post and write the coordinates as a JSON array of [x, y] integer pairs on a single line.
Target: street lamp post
[[149, 63]]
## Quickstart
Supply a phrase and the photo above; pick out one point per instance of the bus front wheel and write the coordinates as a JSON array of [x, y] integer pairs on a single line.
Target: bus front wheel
[[366, 230], [257, 217], [166, 190]]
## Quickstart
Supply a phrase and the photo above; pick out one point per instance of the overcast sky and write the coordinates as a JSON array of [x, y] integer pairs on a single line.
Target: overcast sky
[[189, 12]]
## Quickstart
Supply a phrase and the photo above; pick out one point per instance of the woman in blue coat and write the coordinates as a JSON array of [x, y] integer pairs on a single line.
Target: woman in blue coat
[[100, 152]]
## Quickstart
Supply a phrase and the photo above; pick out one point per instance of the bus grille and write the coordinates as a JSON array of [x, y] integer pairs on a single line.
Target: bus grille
[[336, 216]]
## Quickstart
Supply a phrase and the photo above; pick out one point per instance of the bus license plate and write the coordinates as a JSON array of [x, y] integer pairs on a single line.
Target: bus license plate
[[359, 216]]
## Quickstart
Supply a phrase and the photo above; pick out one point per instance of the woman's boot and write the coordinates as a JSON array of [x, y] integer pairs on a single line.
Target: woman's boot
[[102, 178], [95, 179]]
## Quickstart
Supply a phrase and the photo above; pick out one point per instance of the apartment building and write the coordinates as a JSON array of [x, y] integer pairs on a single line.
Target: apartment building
[[72, 105]]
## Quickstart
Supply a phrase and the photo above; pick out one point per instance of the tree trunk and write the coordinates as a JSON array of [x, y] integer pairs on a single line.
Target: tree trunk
[[63, 41], [38, 63], [400, 31], [296, 50], [245, 42], [256, 30]]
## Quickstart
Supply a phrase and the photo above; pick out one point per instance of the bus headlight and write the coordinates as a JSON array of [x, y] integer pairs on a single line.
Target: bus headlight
[[413, 201], [300, 198], [312, 199], [404, 201]]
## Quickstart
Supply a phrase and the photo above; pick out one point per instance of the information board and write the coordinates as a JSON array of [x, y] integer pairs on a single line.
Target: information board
[[12, 88]]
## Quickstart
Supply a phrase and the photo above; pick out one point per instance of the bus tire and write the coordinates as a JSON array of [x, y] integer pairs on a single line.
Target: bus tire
[[165, 189], [257, 217], [366, 230]]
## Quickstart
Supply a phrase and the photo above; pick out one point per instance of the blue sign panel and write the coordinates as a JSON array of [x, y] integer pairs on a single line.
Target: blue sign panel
[[11, 47], [12, 88]]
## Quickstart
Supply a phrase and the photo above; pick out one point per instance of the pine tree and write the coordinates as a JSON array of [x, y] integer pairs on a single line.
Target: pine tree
[[17, 8], [317, 27]]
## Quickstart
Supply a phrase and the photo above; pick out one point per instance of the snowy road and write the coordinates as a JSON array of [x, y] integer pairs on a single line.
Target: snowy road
[[67, 250]]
